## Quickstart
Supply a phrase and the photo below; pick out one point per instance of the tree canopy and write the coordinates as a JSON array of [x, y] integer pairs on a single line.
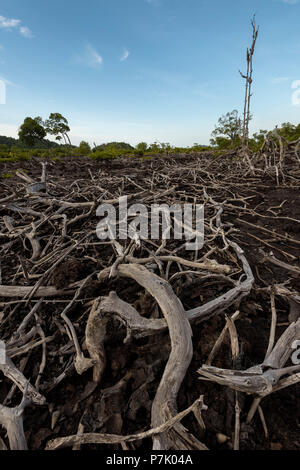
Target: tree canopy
[[58, 126], [32, 131], [229, 126]]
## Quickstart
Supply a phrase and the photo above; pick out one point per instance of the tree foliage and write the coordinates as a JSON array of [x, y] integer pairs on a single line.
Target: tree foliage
[[123, 146], [289, 131], [84, 148], [31, 131], [7, 142], [58, 126], [228, 127], [142, 147]]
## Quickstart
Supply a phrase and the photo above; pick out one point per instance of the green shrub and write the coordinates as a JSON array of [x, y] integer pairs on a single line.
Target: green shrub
[[56, 159], [7, 175], [23, 156], [199, 148], [141, 148], [121, 147], [84, 149], [103, 155]]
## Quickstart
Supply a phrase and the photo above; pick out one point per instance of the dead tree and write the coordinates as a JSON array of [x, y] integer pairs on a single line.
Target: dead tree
[[249, 80]]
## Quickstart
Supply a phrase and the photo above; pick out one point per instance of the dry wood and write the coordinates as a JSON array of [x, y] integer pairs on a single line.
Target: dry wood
[[49, 252], [11, 419], [90, 438]]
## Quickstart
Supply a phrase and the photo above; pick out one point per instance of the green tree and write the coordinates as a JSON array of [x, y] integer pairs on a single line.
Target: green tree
[[229, 127], [84, 148], [260, 136], [31, 131], [122, 147], [289, 131], [222, 142], [142, 147], [165, 146], [58, 126], [155, 148]]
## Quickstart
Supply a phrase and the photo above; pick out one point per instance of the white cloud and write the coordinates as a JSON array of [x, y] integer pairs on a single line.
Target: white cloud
[[291, 2], [26, 32], [93, 57], [11, 23], [8, 23], [90, 57], [296, 93], [125, 55]]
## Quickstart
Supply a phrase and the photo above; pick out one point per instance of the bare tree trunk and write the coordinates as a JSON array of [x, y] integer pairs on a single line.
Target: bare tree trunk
[[249, 80], [246, 98], [69, 140]]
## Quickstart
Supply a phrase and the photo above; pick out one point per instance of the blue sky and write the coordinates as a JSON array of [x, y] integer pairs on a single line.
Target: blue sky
[[146, 70]]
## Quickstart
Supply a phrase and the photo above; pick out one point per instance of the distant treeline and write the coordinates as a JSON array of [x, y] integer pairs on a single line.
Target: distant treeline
[[14, 150], [225, 137], [8, 142]]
